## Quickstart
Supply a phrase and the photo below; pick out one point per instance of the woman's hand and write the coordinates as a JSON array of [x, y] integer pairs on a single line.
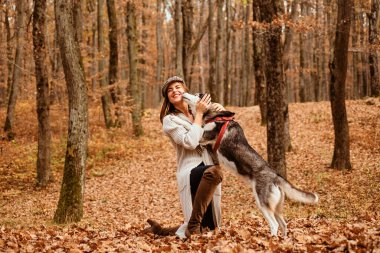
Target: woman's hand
[[217, 107], [203, 104]]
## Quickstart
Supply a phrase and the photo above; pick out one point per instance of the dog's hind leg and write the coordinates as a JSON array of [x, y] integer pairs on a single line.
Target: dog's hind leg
[[278, 214], [266, 210], [269, 216]]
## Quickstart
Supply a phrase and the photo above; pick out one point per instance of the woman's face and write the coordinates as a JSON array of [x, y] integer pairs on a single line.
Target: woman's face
[[174, 92]]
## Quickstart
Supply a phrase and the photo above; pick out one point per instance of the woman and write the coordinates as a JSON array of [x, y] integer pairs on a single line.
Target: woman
[[198, 180]]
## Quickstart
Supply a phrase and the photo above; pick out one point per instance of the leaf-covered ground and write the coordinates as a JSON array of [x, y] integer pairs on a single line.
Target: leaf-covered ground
[[129, 180]]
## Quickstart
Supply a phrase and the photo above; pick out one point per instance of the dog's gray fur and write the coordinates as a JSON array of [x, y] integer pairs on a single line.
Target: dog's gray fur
[[269, 188]]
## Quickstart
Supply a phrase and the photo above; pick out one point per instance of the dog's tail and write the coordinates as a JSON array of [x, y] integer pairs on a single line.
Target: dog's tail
[[296, 194]]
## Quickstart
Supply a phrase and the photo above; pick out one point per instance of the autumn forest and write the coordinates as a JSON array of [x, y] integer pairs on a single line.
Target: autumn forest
[[83, 158]]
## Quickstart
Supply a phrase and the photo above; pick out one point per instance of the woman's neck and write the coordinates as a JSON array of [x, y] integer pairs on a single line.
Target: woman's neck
[[184, 108]]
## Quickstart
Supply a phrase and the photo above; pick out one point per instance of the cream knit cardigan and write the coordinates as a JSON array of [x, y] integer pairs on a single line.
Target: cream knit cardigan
[[185, 138]]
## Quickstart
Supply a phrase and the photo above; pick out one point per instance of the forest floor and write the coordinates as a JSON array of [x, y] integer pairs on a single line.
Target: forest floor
[[129, 180]]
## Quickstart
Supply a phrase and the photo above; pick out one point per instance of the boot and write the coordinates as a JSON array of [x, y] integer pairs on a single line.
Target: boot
[[157, 229], [205, 192]]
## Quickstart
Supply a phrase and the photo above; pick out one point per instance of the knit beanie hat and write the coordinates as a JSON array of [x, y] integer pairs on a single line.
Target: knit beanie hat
[[170, 80]]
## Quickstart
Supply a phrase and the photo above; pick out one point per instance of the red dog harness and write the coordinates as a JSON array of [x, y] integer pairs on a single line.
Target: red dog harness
[[226, 121]]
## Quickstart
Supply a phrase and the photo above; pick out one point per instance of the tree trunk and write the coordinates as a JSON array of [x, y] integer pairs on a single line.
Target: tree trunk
[[187, 22], [373, 40], [200, 53], [275, 87], [219, 51], [93, 55], [20, 30], [113, 67], [227, 63], [303, 47], [114, 53], [78, 20], [212, 86], [9, 50], [42, 81], [70, 204], [363, 57], [178, 38], [355, 59], [259, 63], [132, 54], [316, 56], [106, 98], [160, 51], [338, 71]]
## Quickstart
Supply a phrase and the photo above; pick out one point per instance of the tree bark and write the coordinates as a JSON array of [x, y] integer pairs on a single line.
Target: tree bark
[[106, 98], [212, 86], [355, 57], [13, 93], [132, 54], [160, 51], [116, 92], [187, 22], [227, 57], [114, 53], [219, 52], [258, 64], [316, 56], [269, 10], [373, 40], [9, 51], [338, 71], [70, 204], [362, 56], [43, 103], [178, 38]]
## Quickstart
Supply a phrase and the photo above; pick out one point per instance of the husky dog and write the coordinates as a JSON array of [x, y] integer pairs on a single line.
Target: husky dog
[[232, 150]]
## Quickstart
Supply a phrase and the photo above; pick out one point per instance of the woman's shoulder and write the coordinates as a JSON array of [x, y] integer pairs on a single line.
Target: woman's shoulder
[[175, 119], [170, 119]]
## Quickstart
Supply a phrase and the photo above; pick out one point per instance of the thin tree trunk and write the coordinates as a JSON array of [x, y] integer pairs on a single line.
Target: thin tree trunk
[[363, 57], [338, 71], [200, 53], [117, 93], [132, 54], [219, 52], [13, 93], [93, 55], [178, 38], [227, 57], [302, 69], [9, 50], [160, 51], [114, 53], [78, 20], [106, 98], [355, 59], [316, 55], [259, 63], [43, 108], [187, 22], [212, 85], [70, 204], [373, 39]]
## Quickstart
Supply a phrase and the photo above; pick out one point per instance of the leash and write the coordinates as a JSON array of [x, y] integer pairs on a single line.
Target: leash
[[222, 130]]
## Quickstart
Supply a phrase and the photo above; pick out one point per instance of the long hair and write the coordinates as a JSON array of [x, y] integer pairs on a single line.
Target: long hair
[[167, 107]]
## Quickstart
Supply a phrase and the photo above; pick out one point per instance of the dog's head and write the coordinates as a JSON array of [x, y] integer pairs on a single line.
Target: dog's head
[[192, 100]]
